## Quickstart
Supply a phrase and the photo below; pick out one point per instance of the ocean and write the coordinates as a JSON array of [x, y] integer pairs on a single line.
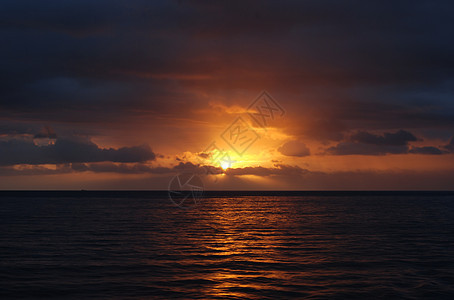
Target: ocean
[[233, 245]]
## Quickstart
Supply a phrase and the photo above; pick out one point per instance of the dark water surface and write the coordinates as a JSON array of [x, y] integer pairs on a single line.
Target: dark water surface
[[279, 246]]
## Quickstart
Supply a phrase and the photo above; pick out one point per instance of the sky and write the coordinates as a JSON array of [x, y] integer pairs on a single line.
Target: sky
[[247, 95]]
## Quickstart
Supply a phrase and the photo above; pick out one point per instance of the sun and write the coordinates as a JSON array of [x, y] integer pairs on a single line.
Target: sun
[[225, 165]]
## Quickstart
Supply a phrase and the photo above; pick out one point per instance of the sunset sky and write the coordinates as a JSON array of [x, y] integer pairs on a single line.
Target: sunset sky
[[128, 94]]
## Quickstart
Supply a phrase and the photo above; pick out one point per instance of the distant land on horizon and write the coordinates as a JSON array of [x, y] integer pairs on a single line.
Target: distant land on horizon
[[209, 193]]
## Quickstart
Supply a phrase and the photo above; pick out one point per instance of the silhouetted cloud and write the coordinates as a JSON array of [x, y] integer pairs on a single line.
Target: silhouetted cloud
[[365, 143], [66, 150], [140, 168], [279, 169], [399, 138], [188, 167], [294, 148], [426, 150]]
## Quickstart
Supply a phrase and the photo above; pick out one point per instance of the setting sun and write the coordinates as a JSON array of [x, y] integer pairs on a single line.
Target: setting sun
[[225, 165]]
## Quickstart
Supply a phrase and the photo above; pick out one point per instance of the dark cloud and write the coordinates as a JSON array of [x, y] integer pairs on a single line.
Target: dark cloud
[[294, 148], [365, 143], [426, 150], [108, 167], [187, 167], [278, 170], [399, 138], [64, 150], [103, 60], [140, 168]]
